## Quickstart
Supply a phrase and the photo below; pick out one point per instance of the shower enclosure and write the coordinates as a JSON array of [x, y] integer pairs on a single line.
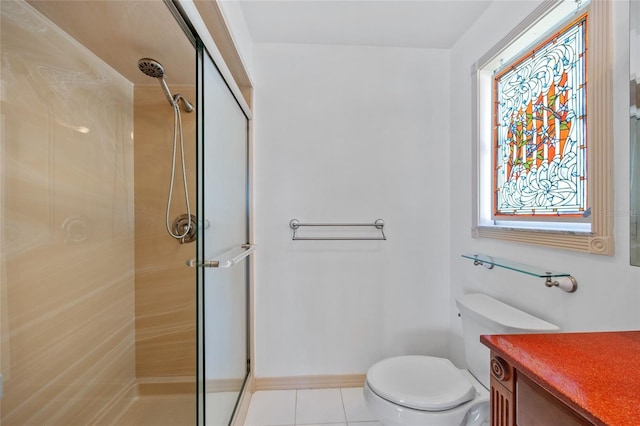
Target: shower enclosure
[[102, 321]]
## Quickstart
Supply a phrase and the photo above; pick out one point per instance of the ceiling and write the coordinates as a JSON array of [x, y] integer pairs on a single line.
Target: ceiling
[[139, 29], [121, 32], [394, 23]]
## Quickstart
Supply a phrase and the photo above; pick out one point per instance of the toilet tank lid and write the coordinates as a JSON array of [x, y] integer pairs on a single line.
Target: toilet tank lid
[[500, 316]]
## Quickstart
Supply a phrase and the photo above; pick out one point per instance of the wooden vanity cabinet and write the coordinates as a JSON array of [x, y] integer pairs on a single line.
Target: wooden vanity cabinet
[[565, 379], [518, 400]]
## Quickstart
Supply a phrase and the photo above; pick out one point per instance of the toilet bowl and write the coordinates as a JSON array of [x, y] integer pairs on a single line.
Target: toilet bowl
[[424, 390], [419, 390]]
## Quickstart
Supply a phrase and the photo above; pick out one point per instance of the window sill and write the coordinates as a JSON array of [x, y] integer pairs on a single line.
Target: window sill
[[585, 242]]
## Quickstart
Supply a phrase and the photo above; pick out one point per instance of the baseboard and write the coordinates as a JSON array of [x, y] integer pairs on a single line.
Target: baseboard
[[310, 382], [223, 385], [156, 386]]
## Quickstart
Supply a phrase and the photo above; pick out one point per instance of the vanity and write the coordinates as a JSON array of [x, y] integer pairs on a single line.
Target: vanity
[[565, 379]]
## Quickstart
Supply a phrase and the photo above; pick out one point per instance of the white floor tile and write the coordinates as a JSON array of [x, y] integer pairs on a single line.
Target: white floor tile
[[219, 407], [354, 406], [365, 424], [271, 408], [317, 406], [327, 424]]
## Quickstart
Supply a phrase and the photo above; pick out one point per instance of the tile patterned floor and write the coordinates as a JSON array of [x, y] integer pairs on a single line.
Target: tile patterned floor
[[317, 407]]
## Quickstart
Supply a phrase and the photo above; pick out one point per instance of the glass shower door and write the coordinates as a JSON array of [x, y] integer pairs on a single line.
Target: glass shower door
[[224, 245]]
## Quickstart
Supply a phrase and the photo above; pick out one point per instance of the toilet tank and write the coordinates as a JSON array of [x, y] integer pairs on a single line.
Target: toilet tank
[[482, 314]]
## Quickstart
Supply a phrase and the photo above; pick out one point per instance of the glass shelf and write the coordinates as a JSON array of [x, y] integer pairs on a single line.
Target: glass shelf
[[484, 260]]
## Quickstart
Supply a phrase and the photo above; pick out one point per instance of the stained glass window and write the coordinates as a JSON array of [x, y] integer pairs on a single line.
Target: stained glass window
[[540, 128]]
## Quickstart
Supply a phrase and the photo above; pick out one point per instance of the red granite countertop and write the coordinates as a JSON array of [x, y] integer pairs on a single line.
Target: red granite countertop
[[597, 374]]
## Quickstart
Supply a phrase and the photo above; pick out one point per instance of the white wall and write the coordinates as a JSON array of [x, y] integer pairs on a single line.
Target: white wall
[[609, 289], [350, 134], [234, 17]]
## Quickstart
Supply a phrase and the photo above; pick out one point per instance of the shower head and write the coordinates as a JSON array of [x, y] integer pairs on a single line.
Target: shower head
[[151, 67]]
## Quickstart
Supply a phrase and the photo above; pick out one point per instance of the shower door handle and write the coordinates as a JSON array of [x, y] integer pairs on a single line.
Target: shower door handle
[[224, 260]]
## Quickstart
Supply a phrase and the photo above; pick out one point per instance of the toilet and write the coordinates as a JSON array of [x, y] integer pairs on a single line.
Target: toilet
[[419, 390]]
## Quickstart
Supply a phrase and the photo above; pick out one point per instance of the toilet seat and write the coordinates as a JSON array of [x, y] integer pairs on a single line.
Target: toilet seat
[[420, 382]]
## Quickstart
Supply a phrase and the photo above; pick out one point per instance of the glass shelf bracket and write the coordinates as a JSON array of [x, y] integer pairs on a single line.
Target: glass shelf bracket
[[561, 280]]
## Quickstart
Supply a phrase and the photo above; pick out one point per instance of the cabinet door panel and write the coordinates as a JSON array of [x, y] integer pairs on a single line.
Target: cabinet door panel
[[536, 407]]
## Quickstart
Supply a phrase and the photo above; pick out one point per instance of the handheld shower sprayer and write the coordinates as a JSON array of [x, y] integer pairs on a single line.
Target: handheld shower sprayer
[[182, 230], [153, 68]]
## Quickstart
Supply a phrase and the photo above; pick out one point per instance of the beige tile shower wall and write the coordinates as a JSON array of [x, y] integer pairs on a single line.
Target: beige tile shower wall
[[165, 286], [66, 207]]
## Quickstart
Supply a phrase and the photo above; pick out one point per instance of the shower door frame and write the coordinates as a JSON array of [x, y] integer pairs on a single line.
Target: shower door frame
[[202, 53], [188, 16]]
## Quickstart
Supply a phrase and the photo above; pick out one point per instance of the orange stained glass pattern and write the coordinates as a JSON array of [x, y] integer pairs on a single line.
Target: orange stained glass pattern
[[540, 128]]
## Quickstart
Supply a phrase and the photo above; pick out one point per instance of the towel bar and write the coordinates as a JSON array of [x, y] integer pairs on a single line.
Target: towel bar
[[295, 224]]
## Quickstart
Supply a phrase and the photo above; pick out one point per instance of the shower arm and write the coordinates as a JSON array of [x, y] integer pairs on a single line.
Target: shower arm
[[186, 105]]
